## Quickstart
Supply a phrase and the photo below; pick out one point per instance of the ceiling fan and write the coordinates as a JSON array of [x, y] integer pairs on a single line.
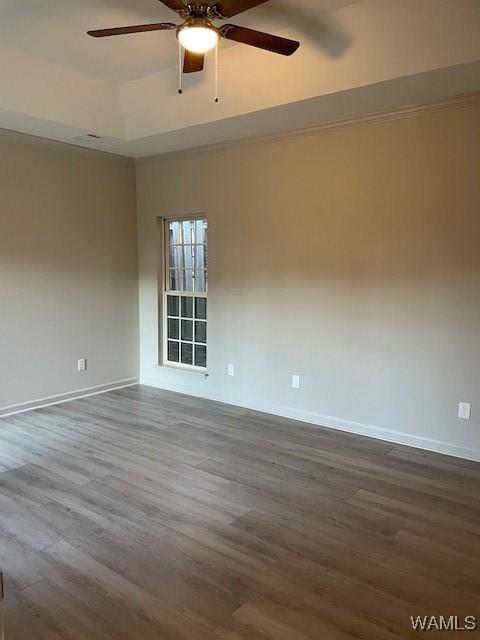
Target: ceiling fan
[[197, 34]]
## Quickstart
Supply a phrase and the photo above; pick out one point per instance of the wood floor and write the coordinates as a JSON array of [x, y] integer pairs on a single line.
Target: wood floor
[[145, 515]]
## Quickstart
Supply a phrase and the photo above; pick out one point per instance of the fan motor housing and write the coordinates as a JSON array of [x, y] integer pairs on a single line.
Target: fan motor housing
[[198, 9], [198, 21]]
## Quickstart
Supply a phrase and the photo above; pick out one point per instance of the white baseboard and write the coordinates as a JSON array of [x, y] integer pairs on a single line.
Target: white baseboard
[[21, 407], [332, 422]]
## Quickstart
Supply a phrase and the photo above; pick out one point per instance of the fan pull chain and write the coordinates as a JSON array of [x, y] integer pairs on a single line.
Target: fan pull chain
[[216, 74], [180, 70]]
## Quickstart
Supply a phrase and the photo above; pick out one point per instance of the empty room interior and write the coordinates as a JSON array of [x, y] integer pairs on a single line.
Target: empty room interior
[[239, 319]]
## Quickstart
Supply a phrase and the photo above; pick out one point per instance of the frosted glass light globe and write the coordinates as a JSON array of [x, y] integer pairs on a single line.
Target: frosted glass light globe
[[198, 39]]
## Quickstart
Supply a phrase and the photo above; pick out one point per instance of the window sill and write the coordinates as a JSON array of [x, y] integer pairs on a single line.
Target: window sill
[[185, 369]]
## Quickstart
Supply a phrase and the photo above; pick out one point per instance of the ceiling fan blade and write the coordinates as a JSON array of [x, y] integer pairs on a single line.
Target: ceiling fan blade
[[174, 5], [267, 41], [139, 28], [193, 62], [230, 8]]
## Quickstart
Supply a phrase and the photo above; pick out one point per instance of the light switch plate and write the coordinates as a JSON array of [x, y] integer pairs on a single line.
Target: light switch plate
[[296, 381], [231, 370]]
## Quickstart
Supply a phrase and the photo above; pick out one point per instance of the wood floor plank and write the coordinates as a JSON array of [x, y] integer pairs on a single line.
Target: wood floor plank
[[141, 514]]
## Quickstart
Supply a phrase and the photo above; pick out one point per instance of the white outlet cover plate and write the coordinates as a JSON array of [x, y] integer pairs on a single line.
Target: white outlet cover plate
[[464, 410], [296, 381]]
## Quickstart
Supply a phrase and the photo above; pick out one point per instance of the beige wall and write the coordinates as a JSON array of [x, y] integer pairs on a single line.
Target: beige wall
[[351, 258], [68, 270]]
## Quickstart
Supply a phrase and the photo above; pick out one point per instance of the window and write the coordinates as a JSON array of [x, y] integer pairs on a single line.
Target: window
[[185, 295]]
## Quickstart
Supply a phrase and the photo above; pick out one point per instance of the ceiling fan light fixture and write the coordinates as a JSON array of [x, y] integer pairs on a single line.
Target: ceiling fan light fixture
[[198, 38]]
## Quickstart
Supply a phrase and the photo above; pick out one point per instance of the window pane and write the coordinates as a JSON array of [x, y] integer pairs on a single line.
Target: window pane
[[173, 329], [173, 351], [201, 308], [200, 256], [177, 280], [187, 353], [200, 356], [188, 252], [188, 226], [175, 233], [188, 280], [187, 307], [181, 280], [187, 330], [181, 257], [201, 231], [176, 258], [201, 332], [200, 281], [173, 305]]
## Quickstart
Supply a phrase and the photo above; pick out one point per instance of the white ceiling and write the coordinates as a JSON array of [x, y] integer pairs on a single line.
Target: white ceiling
[[56, 32], [59, 83]]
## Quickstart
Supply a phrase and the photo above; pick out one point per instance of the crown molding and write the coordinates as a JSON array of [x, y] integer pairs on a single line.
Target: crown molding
[[56, 145], [378, 117]]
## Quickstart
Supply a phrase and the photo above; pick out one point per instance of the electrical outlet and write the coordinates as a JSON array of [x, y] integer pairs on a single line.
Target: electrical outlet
[[82, 364], [296, 381], [464, 410], [231, 370]]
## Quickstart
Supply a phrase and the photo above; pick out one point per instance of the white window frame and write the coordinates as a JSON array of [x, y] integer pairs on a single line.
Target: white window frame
[[165, 292]]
